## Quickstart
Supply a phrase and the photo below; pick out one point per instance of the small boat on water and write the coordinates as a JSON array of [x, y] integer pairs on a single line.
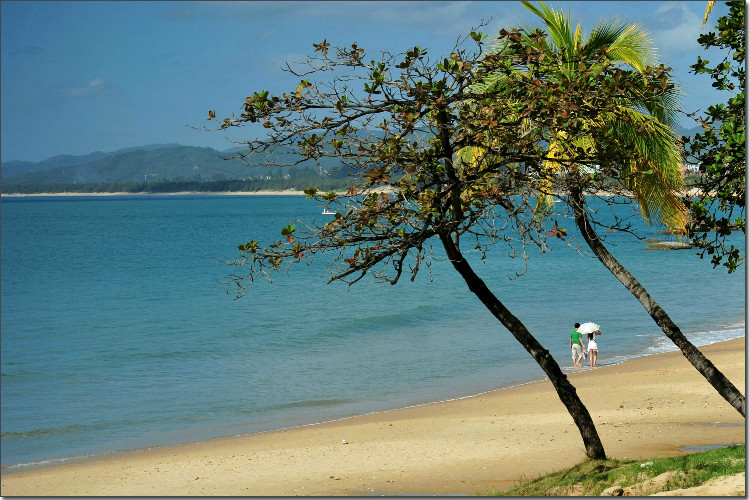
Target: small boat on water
[[327, 212]]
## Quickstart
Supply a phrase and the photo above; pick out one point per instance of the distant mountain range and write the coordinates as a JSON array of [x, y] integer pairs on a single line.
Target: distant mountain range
[[138, 164], [153, 162], [23, 167]]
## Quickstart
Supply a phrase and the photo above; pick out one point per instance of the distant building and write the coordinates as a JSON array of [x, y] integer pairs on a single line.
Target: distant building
[[690, 169]]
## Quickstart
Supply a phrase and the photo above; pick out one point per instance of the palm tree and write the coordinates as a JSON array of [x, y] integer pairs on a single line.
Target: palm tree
[[653, 176], [655, 179]]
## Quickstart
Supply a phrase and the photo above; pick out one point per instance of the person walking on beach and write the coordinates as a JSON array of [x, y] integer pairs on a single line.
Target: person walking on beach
[[593, 347], [576, 345]]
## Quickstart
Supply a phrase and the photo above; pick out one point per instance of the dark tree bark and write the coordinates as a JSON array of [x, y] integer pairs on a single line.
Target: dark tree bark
[[565, 390], [704, 366]]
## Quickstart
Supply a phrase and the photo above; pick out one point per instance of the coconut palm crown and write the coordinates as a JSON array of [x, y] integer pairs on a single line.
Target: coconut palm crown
[[654, 175]]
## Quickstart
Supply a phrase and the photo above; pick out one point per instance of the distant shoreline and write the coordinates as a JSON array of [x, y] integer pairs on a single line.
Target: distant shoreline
[[287, 192]]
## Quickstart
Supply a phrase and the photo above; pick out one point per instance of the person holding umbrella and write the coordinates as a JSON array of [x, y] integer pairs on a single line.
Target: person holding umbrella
[[591, 330], [576, 345]]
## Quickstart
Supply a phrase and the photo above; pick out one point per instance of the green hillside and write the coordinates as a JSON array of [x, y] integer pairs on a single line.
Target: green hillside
[[166, 163]]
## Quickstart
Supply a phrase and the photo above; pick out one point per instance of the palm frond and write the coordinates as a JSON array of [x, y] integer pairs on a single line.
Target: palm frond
[[558, 26], [604, 34], [490, 83], [550, 169], [633, 47], [650, 137], [497, 46], [655, 178], [709, 7], [585, 142], [664, 107], [657, 203]]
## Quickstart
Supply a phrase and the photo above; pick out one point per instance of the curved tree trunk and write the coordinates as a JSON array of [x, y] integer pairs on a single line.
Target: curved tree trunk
[[717, 379], [564, 388]]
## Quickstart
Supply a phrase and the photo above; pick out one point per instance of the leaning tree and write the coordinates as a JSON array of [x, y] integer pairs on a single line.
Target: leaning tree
[[624, 145], [399, 125]]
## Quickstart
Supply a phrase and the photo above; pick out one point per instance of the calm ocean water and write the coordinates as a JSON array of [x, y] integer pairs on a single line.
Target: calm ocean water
[[117, 336]]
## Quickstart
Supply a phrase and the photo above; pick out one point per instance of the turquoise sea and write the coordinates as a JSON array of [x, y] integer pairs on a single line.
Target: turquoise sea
[[117, 334]]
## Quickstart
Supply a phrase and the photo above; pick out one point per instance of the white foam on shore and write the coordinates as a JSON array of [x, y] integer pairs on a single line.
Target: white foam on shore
[[78, 458]]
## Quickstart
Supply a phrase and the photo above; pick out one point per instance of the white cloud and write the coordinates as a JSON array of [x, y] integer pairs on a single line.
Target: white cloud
[[676, 28], [97, 86]]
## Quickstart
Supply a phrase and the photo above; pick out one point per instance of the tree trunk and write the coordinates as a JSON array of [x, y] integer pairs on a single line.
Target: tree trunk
[[717, 379], [564, 388]]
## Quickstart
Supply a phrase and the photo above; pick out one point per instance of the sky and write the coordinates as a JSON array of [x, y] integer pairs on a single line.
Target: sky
[[79, 77]]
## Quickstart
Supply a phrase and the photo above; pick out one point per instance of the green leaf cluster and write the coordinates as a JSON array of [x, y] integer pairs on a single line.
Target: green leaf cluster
[[719, 150]]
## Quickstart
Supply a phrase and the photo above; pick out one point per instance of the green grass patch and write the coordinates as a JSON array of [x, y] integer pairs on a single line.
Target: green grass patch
[[591, 477]]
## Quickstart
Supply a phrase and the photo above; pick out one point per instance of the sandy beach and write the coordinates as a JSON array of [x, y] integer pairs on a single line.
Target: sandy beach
[[648, 407]]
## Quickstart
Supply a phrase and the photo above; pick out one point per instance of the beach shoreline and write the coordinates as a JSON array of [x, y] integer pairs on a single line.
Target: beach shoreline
[[287, 192], [652, 406]]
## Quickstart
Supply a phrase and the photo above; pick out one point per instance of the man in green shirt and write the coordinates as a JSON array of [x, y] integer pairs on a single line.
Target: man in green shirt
[[576, 345]]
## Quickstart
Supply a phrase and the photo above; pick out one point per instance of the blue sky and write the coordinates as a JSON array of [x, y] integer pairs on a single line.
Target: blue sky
[[78, 77]]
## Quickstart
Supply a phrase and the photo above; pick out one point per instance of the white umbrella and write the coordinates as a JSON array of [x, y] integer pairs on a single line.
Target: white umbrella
[[588, 328]]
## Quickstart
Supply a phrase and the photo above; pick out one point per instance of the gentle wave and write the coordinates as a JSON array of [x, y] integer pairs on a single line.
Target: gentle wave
[[67, 460], [310, 404], [699, 339], [47, 432]]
